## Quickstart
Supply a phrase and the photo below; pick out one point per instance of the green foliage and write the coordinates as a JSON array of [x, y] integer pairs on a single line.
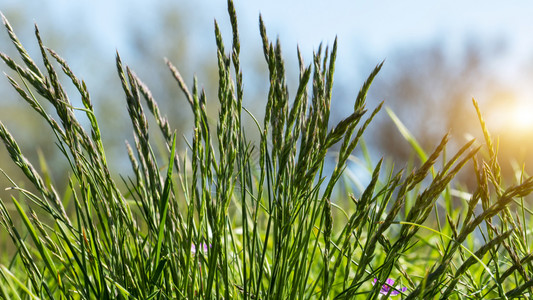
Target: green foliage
[[235, 219]]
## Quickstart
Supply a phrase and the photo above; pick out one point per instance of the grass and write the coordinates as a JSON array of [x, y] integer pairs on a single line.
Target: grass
[[235, 219]]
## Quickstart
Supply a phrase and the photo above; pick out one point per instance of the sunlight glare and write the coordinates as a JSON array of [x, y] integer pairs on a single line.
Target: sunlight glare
[[511, 118], [521, 117]]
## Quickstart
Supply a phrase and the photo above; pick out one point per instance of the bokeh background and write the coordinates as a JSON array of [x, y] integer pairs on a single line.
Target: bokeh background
[[438, 55]]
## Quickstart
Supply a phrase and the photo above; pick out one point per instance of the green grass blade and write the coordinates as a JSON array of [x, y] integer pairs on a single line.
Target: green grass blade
[[407, 135]]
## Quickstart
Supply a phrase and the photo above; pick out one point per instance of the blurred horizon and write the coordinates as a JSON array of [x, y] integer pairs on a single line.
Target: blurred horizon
[[438, 56]]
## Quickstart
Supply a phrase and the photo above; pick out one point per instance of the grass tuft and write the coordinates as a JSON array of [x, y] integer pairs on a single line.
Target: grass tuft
[[236, 219]]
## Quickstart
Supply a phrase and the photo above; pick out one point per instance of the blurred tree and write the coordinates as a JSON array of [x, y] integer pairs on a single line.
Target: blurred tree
[[431, 92]]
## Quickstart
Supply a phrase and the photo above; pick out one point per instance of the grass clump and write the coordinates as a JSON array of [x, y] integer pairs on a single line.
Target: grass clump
[[233, 219]]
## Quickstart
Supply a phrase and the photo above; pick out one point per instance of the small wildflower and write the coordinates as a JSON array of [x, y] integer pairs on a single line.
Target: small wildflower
[[388, 285], [202, 245]]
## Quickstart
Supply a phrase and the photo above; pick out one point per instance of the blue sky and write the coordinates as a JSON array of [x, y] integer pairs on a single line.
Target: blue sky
[[375, 27], [368, 31]]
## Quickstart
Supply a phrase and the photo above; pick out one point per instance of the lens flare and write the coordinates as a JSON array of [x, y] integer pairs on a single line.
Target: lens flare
[[521, 118], [512, 118]]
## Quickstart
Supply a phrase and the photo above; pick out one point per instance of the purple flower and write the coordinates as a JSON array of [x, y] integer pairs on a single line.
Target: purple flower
[[202, 245], [389, 283]]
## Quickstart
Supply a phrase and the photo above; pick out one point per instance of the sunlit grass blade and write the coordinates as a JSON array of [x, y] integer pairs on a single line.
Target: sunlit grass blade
[[407, 135]]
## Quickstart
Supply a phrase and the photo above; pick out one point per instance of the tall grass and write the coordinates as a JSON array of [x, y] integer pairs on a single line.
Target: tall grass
[[233, 219]]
